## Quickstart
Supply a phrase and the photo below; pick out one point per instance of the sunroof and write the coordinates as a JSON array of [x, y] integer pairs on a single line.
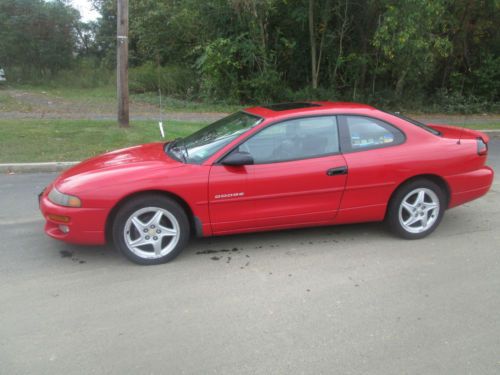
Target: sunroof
[[288, 106]]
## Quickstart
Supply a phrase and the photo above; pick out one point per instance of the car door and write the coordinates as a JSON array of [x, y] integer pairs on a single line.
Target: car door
[[297, 178], [372, 149]]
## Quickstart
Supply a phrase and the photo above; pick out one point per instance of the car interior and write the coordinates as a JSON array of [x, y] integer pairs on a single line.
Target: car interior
[[294, 139]]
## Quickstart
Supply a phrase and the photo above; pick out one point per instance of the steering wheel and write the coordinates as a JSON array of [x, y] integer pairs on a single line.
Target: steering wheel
[[284, 150]]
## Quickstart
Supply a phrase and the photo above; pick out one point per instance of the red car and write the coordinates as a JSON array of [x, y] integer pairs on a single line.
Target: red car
[[265, 168]]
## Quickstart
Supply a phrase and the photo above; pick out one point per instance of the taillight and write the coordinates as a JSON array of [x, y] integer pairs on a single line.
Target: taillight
[[482, 147]]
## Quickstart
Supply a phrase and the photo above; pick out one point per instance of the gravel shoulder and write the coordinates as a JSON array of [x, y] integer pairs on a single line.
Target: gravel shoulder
[[24, 104]]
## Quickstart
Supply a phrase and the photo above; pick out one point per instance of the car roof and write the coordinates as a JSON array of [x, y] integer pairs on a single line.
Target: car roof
[[305, 108]]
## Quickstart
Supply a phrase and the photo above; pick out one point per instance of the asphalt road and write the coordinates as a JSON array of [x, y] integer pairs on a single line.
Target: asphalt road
[[337, 300]]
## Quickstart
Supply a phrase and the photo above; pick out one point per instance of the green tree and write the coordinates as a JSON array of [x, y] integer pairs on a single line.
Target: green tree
[[36, 37], [410, 37]]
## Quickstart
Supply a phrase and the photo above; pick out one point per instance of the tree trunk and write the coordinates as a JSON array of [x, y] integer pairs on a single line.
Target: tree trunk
[[400, 83], [122, 63], [312, 38], [343, 30]]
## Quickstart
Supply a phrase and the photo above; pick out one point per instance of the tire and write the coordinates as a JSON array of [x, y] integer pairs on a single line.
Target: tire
[[151, 229], [416, 209]]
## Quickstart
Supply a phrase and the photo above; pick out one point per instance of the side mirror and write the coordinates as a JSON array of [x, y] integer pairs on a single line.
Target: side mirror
[[237, 158]]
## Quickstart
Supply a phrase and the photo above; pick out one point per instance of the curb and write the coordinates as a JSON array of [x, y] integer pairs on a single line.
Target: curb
[[13, 168], [58, 166]]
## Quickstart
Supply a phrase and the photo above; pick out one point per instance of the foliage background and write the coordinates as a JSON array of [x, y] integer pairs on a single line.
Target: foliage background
[[441, 55]]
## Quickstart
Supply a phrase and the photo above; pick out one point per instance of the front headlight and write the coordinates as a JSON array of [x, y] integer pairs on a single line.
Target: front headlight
[[55, 196]]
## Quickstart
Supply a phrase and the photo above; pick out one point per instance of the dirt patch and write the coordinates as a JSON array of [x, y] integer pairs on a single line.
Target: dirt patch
[[24, 104], [36, 105]]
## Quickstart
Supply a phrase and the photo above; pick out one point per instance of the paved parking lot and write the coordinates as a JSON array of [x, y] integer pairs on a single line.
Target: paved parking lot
[[336, 300]]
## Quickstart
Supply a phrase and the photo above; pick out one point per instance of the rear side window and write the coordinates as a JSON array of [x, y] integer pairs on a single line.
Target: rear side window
[[415, 122], [366, 133]]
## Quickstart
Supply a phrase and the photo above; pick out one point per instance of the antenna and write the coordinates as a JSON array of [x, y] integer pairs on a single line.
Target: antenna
[[461, 131], [160, 123]]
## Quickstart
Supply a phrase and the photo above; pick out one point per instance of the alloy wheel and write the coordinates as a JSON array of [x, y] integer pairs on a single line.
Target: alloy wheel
[[419, 210], [151, 232]]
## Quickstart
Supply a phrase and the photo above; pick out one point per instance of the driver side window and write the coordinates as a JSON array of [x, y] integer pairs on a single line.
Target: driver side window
[[295, 139]]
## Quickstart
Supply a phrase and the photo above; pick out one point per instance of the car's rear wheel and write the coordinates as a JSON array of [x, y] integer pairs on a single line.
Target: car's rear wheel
[[151, 229], [416, 209]]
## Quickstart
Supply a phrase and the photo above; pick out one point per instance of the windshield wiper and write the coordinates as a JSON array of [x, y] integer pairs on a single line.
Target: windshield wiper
[[179, 152], [172, 143], [186, 153], [173, 150]]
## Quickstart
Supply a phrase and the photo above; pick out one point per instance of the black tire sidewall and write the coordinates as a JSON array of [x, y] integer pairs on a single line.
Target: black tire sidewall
[[152, 200], [393, 209]]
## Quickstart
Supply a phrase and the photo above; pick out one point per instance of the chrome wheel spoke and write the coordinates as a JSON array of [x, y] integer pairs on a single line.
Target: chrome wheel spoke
[[420, 197], [424, 220], [139, 242], [430, 206], [408, 207], [139, 225], [167, 232], [157, 247], [411, 220], [155, 220]]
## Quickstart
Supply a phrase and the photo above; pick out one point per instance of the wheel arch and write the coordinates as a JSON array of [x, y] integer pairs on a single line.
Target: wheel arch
[[438, 180], [112, 214]]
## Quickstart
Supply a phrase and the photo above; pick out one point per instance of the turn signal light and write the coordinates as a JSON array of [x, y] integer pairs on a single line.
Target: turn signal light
[[59, 218], [482, 147]]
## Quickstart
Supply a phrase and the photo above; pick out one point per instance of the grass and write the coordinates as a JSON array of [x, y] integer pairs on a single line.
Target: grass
[[68, 140]]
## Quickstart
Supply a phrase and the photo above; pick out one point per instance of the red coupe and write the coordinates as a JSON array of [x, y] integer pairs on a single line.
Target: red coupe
[[265, 168]]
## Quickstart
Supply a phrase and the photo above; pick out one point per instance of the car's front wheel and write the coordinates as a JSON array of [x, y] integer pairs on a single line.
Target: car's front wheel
[[151, 229], [416, 209]]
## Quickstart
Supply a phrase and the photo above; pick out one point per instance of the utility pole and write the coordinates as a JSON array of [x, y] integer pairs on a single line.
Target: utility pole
[[122, 62]]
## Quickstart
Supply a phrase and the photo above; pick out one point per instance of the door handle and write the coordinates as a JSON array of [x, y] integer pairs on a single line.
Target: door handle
[[336, 171]]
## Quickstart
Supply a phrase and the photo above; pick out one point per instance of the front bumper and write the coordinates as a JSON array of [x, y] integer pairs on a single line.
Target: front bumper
[[86, 225]]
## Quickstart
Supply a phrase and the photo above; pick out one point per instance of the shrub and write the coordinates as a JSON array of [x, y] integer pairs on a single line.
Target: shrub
[[265, 87], [84, 73], [173, 80], [452, 102]]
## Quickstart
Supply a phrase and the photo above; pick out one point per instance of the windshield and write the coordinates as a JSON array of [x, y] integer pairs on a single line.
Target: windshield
[[417, 123], [202, 144]]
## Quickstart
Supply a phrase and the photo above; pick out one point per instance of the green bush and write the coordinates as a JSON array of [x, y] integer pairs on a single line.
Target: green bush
[[454, 102], [84, 73], [173, 80], [308, 93], [266, 87], [219, 69]]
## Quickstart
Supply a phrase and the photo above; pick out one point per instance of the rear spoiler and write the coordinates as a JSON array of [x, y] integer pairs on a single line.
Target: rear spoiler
[[459, 133]]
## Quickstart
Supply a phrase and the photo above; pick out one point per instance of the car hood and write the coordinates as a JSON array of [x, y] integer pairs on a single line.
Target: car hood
[[128, 163]]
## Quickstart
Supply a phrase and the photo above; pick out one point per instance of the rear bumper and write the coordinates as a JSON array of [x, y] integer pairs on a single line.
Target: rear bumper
[[86, 225], [466, 187]]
